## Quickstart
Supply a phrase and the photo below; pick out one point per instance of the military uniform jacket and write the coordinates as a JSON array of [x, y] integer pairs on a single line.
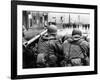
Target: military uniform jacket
[[72, 49], [49, 45]]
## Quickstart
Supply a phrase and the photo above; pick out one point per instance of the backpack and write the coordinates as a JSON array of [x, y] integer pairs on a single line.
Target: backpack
[[77, 50], [44, 56]]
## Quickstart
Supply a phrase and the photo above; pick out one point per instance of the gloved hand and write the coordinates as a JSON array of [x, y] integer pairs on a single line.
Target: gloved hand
[[40, 58], [76, 61]]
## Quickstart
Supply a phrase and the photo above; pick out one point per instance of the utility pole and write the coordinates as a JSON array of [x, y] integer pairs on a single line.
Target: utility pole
[[69, 18], [79, 19]]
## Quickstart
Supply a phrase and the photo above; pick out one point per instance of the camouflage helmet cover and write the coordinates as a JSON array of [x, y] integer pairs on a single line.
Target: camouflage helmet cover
[[76, 32], [52, 29]]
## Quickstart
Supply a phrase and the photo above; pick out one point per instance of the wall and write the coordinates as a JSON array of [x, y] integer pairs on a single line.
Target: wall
[[5, 41]]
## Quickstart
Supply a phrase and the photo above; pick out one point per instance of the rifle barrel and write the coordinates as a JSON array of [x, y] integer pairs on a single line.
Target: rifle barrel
[[35, 38]]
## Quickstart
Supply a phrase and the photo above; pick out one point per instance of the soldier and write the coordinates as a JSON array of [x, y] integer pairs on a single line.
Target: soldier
[[49, 49], [75, 50]]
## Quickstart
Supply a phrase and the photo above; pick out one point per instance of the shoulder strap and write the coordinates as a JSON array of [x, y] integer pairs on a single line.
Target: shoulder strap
[[82, 48], [69, 50]]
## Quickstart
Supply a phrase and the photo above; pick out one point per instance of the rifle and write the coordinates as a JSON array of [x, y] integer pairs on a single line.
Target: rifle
[[27, 43]]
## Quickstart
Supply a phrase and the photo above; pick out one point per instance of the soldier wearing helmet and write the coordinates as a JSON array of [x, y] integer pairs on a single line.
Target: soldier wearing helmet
[[49, 48], [75, 50]]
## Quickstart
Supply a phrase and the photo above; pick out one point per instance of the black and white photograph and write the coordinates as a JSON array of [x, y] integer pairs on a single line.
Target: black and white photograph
[[54, 40]]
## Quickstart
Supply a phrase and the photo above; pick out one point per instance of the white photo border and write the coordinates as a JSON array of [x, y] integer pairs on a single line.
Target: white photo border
[[21, 71]]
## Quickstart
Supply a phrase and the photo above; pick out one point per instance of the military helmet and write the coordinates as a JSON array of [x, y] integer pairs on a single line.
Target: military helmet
[[76, 32], [52, 29]]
